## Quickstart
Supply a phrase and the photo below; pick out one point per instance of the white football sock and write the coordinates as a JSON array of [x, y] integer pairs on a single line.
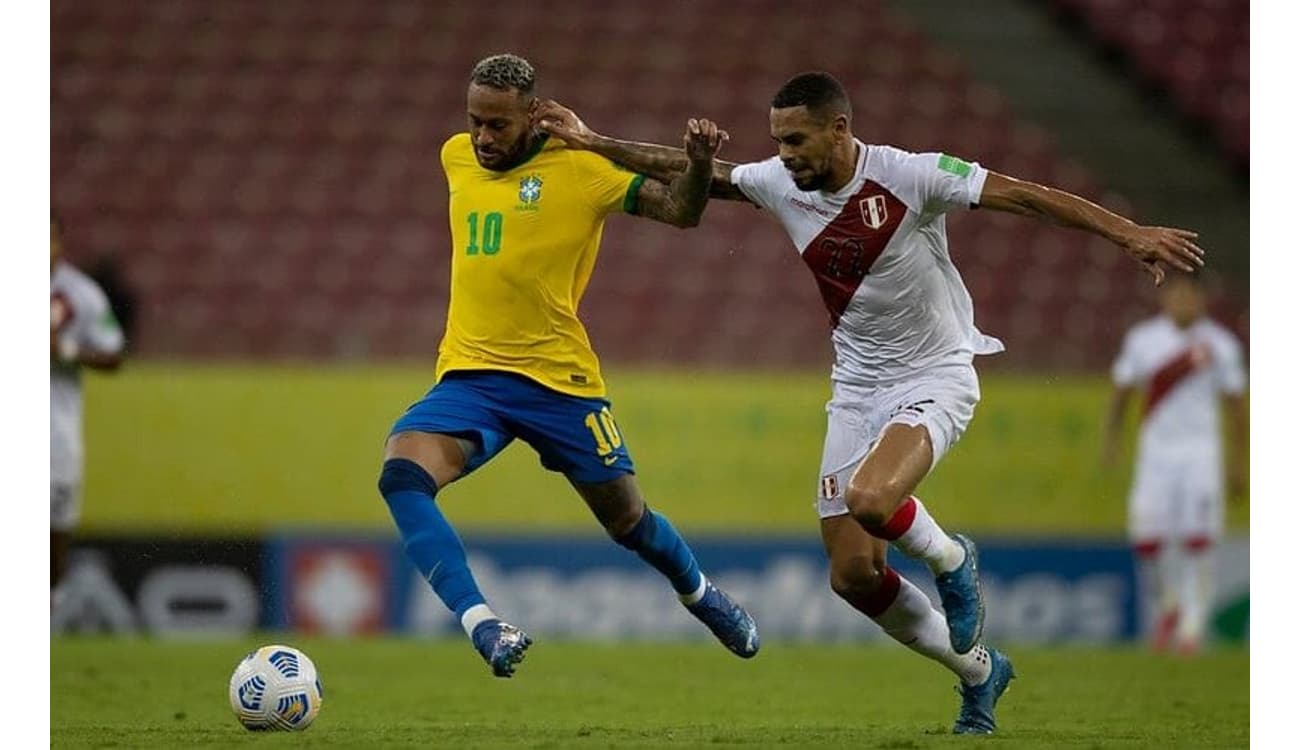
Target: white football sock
[[475, 615], [1195, 593], [695, 595], [1157, 563], [914, 622], [922, 539], [1169, 572]]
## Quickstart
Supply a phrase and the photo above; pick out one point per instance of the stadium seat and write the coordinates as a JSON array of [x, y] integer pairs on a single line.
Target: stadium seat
[[268, 172], [1194, 49]]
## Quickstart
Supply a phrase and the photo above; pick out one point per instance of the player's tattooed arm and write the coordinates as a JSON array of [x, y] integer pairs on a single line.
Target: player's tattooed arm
[[662, 163], [681, 203], [665, 162], [1152, 247]]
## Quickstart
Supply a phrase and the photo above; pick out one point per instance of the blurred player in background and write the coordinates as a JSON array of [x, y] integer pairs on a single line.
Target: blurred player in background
[[869, 222], [526, 219], [83, 333], [1185, 365]]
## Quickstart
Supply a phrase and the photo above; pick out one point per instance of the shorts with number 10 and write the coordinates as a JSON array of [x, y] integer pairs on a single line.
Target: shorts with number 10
[[573, 435]]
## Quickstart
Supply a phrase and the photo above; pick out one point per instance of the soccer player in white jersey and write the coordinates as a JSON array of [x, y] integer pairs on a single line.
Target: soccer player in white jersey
[[869, 223], [83, 333], [1185, 365]]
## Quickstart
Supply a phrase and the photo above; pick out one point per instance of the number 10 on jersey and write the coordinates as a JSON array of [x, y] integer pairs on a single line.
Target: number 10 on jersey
[[603, 429], [491, 234]]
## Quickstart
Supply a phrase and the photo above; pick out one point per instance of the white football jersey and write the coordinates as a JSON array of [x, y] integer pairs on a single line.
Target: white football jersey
[[1182, 372], [878, 249], [80, 313]]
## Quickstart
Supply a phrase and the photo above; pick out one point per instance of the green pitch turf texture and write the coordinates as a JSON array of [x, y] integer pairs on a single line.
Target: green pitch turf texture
[[247, 449], [405, 693]]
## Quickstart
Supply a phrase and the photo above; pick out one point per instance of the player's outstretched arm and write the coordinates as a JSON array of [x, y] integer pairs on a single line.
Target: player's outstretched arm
[[1153, 247], [681, 202], [657, 162]]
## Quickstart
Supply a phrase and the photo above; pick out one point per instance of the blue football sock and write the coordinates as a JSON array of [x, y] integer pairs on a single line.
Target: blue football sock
[[658, 543], [431, 543]]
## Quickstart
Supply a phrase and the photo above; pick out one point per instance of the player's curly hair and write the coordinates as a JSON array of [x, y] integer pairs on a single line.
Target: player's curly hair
[[505, 72]]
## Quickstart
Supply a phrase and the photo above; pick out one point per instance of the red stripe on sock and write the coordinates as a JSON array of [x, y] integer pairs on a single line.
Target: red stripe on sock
[[1147, 548], [1198, 543], [899, 523], [881, 599]]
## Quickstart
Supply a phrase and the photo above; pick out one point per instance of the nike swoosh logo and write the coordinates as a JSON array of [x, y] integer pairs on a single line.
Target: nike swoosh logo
[[611, 460]]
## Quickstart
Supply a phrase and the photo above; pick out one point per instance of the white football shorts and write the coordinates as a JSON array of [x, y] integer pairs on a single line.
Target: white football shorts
[[1175, 498], [941, 399]]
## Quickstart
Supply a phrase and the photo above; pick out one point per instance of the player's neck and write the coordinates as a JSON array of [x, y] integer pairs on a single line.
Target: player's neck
[[533, 144], [843, 167]]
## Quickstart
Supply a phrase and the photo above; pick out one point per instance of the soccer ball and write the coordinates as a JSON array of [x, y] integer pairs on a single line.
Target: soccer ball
[[275, 688]]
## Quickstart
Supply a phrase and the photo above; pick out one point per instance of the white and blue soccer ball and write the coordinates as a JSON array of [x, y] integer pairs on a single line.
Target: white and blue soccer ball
[[275, 688]]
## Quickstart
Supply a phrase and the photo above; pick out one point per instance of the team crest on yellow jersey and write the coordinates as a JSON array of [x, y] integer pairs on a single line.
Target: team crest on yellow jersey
[[530, 192]]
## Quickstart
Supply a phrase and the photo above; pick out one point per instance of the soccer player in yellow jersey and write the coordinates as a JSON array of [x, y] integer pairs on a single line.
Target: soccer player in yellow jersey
[[526, 218]]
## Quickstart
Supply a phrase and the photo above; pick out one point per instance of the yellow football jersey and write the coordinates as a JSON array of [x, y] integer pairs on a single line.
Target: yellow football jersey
[[524, 243]]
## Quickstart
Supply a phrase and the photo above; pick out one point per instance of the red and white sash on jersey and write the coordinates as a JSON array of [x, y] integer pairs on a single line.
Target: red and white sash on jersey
[[1173, 372], [844, 250]]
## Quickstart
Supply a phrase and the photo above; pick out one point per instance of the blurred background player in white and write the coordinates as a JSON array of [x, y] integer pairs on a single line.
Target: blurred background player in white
[[868, 221], [1184, 364], [83, 333]]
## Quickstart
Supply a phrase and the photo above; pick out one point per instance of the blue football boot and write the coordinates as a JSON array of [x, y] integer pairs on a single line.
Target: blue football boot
[[728, 621], [963, 599], [978, 701], [501, 645]]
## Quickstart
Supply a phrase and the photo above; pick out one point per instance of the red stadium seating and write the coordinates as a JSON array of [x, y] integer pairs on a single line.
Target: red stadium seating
[[1199, 50], [268, 172]]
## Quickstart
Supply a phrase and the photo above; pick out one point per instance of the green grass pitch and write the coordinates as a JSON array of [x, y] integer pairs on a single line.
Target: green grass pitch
[[393, 693]]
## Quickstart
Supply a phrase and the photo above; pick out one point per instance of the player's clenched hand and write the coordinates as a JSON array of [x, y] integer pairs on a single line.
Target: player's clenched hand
[[558, 120], [703, 139], [1156, 247]]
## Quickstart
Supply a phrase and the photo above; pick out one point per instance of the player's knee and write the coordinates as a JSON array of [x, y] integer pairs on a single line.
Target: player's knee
[[618, 506], [629, 524], [441, 457], [404, 475], [623, 521], [856, 577], [873, 502]]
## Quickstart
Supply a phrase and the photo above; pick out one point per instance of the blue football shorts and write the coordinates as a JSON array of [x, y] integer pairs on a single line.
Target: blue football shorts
[[572, 435]]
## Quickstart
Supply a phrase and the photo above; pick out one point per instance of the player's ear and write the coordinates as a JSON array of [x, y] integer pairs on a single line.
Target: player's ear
[[840, 126]]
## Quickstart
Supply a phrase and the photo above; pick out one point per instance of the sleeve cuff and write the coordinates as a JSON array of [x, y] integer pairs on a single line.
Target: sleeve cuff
[[977, 185], [629, 198]]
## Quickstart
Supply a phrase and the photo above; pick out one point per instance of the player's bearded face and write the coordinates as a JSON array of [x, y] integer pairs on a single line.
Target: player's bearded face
[[498, 126], [805, 144]]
